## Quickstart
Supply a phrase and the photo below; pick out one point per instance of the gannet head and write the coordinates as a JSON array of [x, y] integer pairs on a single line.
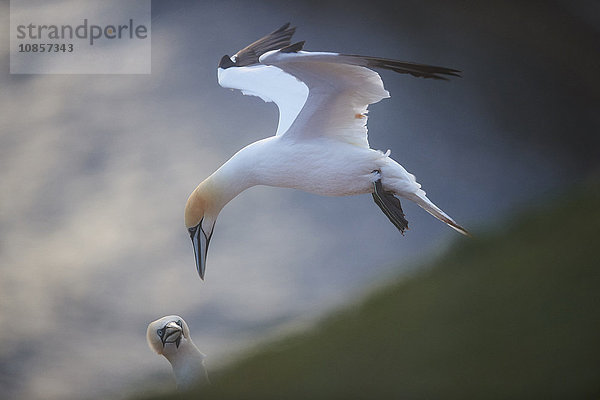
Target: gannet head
[[170, 337], [166, 334], [201, 213]]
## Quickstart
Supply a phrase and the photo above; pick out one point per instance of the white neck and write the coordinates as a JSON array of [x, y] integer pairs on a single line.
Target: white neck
[[188, 365], [232, 178]]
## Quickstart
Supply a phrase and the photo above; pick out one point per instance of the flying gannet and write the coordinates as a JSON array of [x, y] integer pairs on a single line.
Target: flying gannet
[[321, 141], [170, 337]]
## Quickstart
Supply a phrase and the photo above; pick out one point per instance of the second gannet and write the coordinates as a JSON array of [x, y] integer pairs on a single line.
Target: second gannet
[[170, 337], [321, 141]]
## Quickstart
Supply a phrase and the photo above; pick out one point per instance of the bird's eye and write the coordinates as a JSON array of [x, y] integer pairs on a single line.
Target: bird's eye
[[160, 332], [179, 323]]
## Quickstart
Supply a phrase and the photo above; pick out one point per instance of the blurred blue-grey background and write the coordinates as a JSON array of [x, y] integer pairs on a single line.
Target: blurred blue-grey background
[[96, 169]]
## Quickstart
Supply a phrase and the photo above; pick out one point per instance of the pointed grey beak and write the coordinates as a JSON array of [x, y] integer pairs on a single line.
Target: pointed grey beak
[[200, 242], [171, 333]]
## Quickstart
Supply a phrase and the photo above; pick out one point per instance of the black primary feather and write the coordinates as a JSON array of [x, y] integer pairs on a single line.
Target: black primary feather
[[293, 48], [405, 67], [280, 39], [273, 41]]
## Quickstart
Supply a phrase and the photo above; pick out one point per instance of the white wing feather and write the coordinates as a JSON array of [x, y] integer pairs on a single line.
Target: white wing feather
[[340, 91], [317, 93], [270, 84]]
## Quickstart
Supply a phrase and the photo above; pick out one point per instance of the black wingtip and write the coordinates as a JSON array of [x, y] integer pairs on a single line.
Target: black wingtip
[[283, 28], [226, 62], [273, 41], [293, 48], [411, 68]]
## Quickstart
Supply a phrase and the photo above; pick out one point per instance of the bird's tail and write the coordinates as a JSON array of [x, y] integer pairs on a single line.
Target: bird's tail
[[421, 199], [404, 184]]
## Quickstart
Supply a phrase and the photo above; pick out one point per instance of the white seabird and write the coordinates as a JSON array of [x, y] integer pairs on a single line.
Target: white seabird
[[321, 141], [170, 337]]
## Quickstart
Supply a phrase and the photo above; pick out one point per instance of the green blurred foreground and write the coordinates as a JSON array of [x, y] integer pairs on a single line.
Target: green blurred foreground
[[511, 315]]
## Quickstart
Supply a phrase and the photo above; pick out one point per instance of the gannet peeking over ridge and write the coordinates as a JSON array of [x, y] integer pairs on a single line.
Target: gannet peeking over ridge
[[170, 337], [321, 141]]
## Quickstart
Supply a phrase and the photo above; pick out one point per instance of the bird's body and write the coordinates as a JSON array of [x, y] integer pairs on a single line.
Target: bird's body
[[310, 165], [170, 337], [321, 143]]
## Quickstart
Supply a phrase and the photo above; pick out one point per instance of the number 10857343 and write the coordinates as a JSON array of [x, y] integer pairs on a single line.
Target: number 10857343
[[46, 48]]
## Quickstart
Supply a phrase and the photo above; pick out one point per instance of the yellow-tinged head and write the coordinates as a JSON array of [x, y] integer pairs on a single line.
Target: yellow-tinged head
[[208, 199], [201, 213]]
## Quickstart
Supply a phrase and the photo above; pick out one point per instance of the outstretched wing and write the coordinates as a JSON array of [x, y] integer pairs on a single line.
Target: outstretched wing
[[244, 72], [324, 94], [341, 87]]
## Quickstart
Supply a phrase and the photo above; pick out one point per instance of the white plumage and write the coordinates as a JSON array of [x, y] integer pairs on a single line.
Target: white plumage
[[321, 143], [170, 336]]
